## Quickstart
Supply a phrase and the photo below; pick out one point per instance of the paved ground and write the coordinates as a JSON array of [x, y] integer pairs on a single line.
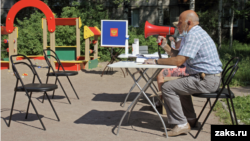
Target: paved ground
[[93, 117]]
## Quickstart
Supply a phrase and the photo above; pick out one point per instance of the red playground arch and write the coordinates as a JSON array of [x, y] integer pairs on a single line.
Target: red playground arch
[[30, 3]]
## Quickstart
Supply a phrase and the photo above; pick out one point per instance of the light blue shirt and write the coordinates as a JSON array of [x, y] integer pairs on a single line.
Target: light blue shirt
[[202, 52]]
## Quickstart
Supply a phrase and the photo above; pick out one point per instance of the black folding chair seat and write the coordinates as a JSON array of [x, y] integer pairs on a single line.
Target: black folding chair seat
[[62, 73], [37, 87], [224, 94], [31, 87], [58, 73]]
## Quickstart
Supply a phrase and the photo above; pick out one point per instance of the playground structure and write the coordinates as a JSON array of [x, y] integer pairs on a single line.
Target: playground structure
[[11, 30], [90, 32], [69, 55], [12, 46]]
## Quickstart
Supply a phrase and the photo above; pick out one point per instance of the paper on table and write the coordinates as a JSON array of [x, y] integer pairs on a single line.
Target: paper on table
[[155, 55], [145, 64], [141, 59], [137, 55]]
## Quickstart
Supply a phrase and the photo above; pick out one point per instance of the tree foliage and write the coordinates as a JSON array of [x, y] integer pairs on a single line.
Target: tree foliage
[[30, 41], [243, 13], [209, 21]]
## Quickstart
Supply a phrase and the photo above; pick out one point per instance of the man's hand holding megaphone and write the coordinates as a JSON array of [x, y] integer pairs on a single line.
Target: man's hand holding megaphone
[[163, 41], [164, 45]]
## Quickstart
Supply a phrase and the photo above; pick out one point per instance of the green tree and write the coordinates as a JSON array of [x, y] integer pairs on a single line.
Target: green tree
[[243, 13], [209, 21], [30, 34]]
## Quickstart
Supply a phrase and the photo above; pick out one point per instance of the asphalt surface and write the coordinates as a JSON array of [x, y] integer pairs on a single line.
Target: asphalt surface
[[94, 116]]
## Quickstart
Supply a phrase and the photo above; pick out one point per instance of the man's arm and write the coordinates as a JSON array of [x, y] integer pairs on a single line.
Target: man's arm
[[172, 52], [178, 44], [175, 61]]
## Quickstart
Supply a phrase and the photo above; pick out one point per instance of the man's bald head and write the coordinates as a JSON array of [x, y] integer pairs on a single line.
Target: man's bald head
[[187, 19], [191, 16]]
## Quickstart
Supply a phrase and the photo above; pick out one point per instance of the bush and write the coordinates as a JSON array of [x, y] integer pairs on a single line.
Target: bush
[[209, 22], [242, 77], [30, 34]]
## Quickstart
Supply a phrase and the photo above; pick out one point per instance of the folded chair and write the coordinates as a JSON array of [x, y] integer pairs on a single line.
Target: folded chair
[[31, 87], [224, 92], [58, 73]]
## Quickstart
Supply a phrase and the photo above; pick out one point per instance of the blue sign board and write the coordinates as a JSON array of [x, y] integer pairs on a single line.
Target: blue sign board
[[114, 33]]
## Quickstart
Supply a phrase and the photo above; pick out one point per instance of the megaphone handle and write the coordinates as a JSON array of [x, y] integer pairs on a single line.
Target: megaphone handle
[[159, 53], [160, 42]]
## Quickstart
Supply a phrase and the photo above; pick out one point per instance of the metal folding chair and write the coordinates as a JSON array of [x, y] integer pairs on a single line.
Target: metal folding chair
[[58, 73], [31, 87], [227, 75]]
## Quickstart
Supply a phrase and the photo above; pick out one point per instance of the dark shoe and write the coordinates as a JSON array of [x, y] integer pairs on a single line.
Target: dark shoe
[[192, 123], [178, 130]]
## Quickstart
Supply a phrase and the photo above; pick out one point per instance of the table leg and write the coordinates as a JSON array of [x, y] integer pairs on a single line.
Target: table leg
[[142, 92], [152, 83], [113, 59], [105, 68], [131, 87], [123, 72], [144, 72]]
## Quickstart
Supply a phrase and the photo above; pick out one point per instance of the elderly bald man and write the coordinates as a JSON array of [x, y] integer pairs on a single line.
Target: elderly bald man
[[202, 64]]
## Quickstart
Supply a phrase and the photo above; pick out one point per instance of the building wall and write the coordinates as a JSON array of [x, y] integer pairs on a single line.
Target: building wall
[[149, 10], [150, 14], [5, 6]]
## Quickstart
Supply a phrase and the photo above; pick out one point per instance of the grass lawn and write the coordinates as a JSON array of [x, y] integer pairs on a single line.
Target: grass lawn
[[242, 109]]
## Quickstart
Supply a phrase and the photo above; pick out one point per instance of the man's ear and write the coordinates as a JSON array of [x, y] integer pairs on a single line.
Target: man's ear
[[189, 22]]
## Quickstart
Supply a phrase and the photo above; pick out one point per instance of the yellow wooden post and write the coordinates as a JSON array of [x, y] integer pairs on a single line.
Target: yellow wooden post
[[52, 47], [78, 43], [87, 58], [44, 26], [96, 48], [15, 37], [11, 46]]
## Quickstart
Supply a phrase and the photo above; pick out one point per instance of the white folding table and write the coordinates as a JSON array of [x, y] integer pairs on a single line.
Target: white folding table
[[141, 68], [134, 56]]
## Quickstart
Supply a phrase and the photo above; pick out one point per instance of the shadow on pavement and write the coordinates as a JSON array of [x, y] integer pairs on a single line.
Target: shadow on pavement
[[50, 96], [112, 118], [99, 72], [21, 117], [119, 97]]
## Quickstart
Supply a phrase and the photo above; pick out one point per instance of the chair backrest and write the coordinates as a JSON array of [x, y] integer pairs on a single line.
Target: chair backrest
[[229, 72], [143, 49], [54, 55], [234, 59], [31, 66]]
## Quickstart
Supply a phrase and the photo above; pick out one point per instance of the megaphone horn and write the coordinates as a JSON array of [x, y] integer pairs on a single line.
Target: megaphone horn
[[157, 30]]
